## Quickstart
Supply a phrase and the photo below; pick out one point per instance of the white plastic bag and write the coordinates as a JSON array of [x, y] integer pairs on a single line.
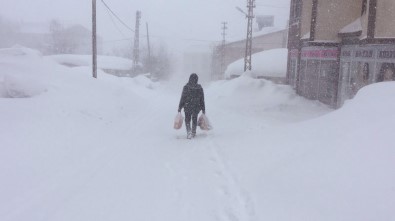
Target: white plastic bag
[[178, 121], [204, 123]]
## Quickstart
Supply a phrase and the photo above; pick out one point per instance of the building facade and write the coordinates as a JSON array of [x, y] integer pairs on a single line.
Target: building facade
[[338, 46]]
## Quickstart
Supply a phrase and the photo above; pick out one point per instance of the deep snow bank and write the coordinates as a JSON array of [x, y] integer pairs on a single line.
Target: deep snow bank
[[103, 149], [54, 142], [270, 63], [263, 98], [82, 144], [335, 167], [103, 62], [17, 80], [26, 73]]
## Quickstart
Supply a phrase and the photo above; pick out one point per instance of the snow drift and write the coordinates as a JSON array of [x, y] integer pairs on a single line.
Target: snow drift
[[17, 80], [104, 62], [335, 167], [270, 63], [103, 149], [260, 97]]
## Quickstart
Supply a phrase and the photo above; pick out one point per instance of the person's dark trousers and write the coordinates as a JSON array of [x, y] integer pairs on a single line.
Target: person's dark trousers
[[188, 118]]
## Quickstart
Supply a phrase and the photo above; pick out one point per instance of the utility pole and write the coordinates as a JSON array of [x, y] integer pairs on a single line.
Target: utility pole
[[248, 52], [223, 52], [94, 39], [136, 51]]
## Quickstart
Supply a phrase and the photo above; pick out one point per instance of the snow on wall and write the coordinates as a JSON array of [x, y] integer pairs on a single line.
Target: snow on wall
[[270, 63], [264, 31]]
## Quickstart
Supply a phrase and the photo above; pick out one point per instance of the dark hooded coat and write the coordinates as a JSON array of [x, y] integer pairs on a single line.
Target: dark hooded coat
[[192, 98]]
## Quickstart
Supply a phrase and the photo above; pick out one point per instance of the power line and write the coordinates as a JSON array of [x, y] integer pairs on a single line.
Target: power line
[[270, 6], [164, 37], [118, 40], [182, 39], [113, 22], [155, 36], [201, 40], [116, 16], [131, 39]]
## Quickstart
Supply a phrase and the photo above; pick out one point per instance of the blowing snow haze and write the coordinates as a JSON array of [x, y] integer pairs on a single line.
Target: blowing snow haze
[[309, 138], [179, 24]]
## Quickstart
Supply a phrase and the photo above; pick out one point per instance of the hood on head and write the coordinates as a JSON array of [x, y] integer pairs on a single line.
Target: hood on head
[[193, 79]]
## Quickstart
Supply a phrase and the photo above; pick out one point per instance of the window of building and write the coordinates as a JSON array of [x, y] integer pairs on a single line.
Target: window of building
[[293, 71], [302, 78], [345, 91], [386, 73], [312, 77], [328, 82]]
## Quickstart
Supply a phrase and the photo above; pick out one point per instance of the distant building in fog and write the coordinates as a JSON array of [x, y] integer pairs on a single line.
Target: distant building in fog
[[197, 60], [32, 35], [338, 46], [74, 39]]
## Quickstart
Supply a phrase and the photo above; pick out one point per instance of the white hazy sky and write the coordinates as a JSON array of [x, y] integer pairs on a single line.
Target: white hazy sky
[[170, 21]]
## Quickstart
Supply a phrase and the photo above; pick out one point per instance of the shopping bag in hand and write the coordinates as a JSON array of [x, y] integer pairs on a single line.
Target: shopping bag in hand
[[204, 123], [178, 121]]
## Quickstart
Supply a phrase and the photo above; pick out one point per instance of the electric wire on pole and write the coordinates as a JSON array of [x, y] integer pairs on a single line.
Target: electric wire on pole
[[248, 50], [116, 16], [113, 22]]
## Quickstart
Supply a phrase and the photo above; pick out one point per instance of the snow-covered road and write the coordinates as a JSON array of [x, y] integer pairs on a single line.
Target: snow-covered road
[[75, 148]]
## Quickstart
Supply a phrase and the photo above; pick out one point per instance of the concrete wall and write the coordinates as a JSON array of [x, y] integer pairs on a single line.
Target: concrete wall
[[236, 50], [333, 15], [385, 18]]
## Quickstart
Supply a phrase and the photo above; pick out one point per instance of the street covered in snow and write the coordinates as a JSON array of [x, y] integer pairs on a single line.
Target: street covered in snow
[[75, 148]]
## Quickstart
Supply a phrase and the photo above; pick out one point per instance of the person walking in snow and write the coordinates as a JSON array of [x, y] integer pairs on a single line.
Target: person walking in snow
[[192, 100]]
